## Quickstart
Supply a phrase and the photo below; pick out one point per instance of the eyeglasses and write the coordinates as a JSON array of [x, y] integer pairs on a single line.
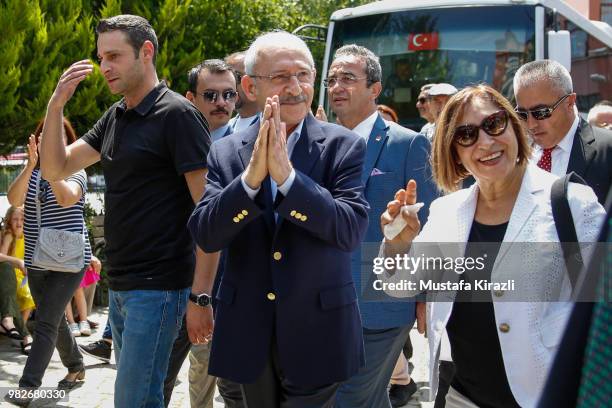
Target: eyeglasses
[[493, 125], [344, 80], [542, 113], [303, 77], [42, 192], [228, 95]]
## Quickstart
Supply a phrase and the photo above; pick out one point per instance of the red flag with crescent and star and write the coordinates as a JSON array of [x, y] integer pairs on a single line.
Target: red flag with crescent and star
[[423, 41]]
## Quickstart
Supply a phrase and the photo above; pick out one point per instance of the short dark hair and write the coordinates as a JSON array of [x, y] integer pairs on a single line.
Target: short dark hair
[[373, 70], [136, 28], [214, 66]]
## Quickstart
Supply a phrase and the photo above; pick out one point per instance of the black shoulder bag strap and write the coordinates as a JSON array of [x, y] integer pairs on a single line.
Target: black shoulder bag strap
[[564, 223]]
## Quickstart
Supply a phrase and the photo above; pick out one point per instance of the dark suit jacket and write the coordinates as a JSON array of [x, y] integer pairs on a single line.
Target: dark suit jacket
[[563, 383], [287, 281], [591, 158], [394, 155]]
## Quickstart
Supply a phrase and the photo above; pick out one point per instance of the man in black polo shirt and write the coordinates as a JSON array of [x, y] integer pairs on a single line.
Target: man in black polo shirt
[[153, 146]]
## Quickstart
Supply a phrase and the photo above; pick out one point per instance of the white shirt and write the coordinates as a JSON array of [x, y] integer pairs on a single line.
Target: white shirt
[[428, 130], [286, 186], [243, 123], [560, 155], [365, 127]]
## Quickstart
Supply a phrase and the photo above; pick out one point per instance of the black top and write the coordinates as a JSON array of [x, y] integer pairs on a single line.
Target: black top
[[479, 367], [145, 152]]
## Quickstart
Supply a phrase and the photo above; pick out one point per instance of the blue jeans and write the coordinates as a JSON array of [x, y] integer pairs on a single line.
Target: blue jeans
[[145, 324]]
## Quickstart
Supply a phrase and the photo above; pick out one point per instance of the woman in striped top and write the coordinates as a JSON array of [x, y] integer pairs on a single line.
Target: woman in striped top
[[61, 208]]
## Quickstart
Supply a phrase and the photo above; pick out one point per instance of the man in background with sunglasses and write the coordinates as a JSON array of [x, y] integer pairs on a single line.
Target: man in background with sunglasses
[[212, 89], [439, 94], [422, 106], [562, 141]]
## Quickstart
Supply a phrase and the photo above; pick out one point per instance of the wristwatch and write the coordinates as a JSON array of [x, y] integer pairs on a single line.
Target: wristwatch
[[201, 300]]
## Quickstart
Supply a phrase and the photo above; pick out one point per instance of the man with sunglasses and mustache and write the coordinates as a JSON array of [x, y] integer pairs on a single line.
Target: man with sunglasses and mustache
[[212, 89], [285, 200], [563, 142]]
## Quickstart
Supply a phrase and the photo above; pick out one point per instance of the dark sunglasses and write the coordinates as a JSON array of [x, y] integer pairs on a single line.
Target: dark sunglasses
[[542, 113], [493, 125], [212, 96]]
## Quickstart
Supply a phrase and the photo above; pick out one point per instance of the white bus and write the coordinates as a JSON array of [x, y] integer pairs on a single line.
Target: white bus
[[464, 42]]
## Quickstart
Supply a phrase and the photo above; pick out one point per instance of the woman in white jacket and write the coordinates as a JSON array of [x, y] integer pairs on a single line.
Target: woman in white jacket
[[503, 344]]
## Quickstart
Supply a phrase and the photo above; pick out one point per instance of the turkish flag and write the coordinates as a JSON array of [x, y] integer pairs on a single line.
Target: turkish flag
[[423, 41]]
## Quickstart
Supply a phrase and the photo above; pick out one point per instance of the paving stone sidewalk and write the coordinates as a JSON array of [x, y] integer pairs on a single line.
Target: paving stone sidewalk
[[97, 389]]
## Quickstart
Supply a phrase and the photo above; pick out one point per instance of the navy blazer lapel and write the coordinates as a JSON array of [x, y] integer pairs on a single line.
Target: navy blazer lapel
[[582, 150], [249, 136], [376, 141], [307, 151]]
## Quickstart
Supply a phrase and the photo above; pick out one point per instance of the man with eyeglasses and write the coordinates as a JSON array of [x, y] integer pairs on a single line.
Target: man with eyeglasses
[[247, 109], [285, 201], [562, 141], [212, 89], [394, 155]]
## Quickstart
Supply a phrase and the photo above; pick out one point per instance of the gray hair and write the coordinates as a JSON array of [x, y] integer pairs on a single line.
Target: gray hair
[[373, 70], [275, 39], [549, 71]]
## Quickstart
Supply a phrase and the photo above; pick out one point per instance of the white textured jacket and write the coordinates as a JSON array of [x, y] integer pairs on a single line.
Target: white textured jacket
[[531, 330]]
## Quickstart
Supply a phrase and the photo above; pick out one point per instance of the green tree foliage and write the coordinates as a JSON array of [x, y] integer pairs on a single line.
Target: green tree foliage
[[39, 39]]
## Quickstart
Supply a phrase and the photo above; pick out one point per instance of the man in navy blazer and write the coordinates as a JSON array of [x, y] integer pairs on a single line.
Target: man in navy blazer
[[394, 155], [288, 211]]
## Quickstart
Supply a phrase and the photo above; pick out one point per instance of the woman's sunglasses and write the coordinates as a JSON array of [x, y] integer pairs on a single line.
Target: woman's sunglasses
[[493, 125], [541, 113]]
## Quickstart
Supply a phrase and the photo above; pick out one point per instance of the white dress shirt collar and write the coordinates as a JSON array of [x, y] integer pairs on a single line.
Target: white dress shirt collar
[[365, 127]]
